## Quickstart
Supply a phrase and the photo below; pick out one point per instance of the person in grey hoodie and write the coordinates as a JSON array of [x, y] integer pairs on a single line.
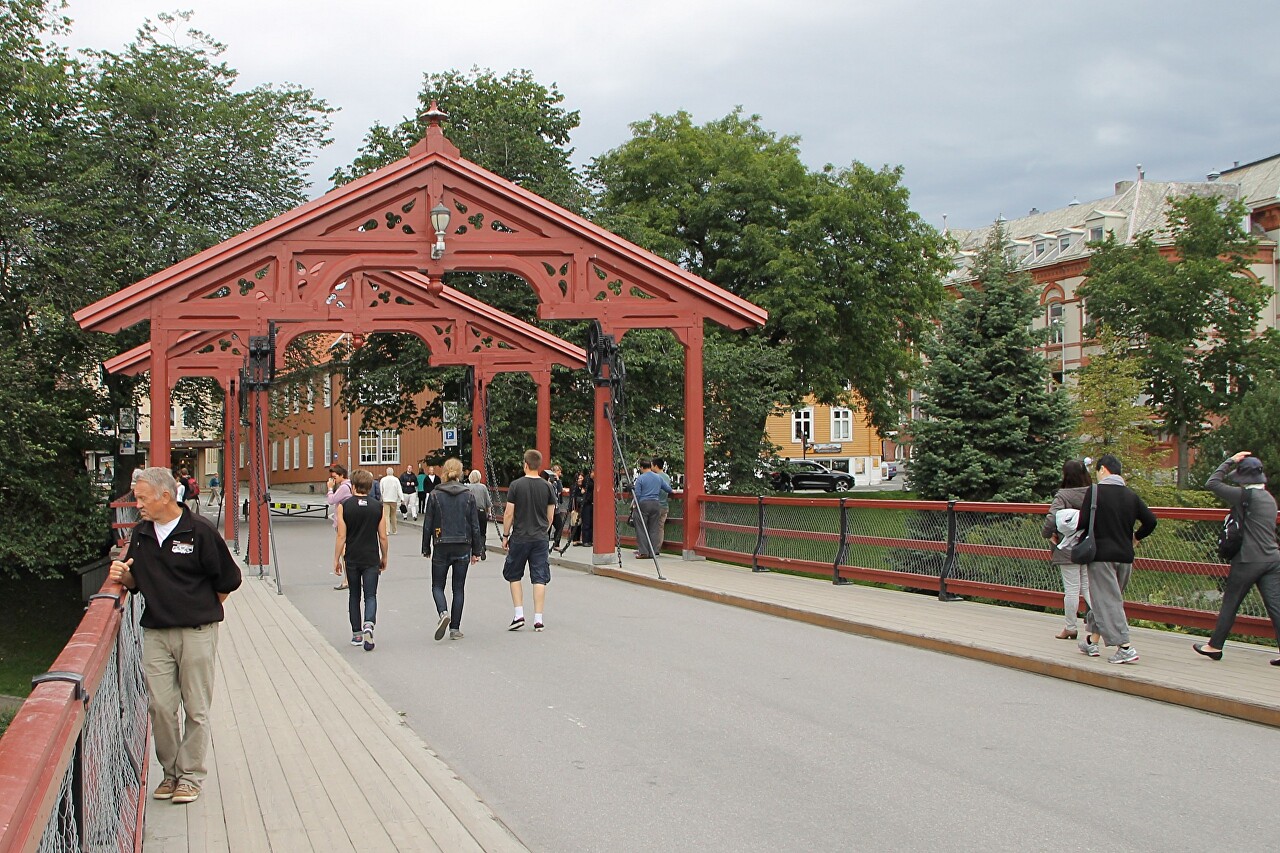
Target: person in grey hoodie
[[1075, 580], [1258, 563], [453, 525]]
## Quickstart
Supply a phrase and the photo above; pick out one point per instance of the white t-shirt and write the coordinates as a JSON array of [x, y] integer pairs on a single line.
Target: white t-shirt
[[163, 530]]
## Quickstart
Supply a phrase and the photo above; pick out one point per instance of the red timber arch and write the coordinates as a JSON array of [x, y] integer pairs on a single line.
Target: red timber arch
[[316, 267], [457, 330]]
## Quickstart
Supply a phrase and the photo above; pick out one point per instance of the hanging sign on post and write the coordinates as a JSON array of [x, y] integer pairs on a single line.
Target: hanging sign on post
[[450, 435]]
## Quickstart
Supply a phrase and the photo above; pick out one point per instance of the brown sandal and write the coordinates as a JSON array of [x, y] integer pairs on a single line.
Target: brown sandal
[[1066, 634]]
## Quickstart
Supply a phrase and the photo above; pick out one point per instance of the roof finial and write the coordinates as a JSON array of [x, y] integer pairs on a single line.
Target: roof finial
[[433, 114]]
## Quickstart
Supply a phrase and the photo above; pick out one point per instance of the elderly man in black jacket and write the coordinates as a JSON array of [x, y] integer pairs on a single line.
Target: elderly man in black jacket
[[1119, 508], [181, 564]]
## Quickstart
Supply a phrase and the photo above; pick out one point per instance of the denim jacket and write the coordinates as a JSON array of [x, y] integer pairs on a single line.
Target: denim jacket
[[451, 519]]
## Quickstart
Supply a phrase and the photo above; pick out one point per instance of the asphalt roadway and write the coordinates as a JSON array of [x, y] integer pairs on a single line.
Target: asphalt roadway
[[642, 720]]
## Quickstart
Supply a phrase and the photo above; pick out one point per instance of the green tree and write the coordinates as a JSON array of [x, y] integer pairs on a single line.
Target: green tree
[[1251, 424], [112, 166], [995, 427], [1107, 402], [1188, 311], [850, 275]]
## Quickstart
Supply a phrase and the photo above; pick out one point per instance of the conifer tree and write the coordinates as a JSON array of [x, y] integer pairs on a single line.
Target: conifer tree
[[996, 427]]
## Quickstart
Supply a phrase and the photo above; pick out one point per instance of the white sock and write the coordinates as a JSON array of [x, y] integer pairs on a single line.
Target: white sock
[[537, 617], [519, 612]]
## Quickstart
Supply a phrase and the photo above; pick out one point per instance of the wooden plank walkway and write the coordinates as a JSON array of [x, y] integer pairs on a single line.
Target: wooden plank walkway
[[306, 757], [1241, 685]]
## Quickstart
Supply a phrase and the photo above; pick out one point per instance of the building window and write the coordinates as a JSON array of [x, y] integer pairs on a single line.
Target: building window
[[328, 450], [295, 394], [1056, 323], [802, 425], [1042, 246], [1095, 234], [311, 398], [297, 452], [287, 448], [275, 454], [379, 447], [328, 391], [841, 425], [1063, 243]]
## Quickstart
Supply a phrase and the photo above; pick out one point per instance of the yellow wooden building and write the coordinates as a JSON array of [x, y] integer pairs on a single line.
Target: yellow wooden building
[[835, 436]]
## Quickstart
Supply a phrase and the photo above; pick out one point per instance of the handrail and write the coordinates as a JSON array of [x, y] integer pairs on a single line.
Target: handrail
[[46, 743], [991, 550]]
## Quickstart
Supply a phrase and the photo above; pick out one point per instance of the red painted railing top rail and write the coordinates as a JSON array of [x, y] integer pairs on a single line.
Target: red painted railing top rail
[[39, 742]]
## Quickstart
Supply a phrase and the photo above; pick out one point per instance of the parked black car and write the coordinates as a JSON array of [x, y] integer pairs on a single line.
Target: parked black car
[[809, 475]]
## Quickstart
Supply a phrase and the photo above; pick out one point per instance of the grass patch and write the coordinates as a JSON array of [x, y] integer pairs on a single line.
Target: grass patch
[[6, 717], [39, 617]]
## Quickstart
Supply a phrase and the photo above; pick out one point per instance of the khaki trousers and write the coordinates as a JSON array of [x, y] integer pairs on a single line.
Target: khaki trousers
[[179, 668], [391, 512]]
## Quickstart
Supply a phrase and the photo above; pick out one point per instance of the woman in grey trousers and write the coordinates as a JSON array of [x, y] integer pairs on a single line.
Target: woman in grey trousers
[[1075, 580]]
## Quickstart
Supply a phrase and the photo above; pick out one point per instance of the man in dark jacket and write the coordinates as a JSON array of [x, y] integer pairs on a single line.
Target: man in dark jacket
[[453, 523], [1119, 508], [180, 563], [409, 492]]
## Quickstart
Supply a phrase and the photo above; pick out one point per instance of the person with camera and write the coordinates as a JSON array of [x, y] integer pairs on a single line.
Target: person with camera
[[1257, 563]]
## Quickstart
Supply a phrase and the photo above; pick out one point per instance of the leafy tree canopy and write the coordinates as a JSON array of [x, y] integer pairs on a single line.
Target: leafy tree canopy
[[849, 274], [1188, 312], [995, 427], [1113, 421], [112, 166]]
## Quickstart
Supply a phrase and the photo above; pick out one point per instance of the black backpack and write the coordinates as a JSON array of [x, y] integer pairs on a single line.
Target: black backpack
[[1231, 537]]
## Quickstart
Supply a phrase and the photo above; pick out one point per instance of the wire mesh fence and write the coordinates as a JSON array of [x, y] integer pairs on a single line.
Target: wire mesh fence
[[101, 786], [995, 551]]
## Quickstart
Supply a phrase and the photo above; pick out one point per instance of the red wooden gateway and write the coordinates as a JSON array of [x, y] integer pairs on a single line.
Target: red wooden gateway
[[371, 255]]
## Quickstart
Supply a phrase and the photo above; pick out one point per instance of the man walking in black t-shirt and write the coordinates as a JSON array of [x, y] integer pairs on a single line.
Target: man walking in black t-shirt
[[530, 512], [361, 548]]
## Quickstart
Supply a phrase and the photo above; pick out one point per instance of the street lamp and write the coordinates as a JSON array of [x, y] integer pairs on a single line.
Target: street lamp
[[439, 222]]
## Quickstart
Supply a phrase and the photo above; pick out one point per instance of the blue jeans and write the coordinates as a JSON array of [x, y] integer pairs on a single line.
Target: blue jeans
[[362, 579], [444, 558]]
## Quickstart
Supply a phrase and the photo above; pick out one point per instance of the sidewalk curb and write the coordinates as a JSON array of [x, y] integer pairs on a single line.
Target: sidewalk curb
[[1114, 681]]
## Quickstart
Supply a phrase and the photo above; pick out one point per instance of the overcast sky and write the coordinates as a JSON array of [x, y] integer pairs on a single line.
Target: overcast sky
[[991, 107]]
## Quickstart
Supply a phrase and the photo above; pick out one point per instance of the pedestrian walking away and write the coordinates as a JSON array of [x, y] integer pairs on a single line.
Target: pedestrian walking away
[[1258, 561], [339, 489], [360, 553], [451, 537], [1059, 526], [484, 504], [1118, 509], [647, 489], [181, 565], [530, 511], [390, 497]]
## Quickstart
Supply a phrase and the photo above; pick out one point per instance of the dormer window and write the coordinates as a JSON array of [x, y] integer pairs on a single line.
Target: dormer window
[[1095, 234], [1042, 246], [1064, 242]]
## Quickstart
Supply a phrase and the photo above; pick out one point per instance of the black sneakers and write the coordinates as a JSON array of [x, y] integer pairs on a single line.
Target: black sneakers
[[516, 624]]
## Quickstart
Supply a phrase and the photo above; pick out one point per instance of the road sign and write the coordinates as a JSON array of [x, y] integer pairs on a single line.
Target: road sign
[[450, 436], [450, 413]]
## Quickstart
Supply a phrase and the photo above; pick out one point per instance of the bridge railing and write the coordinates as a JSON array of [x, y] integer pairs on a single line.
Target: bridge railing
[[73, 763], [986, 550]]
